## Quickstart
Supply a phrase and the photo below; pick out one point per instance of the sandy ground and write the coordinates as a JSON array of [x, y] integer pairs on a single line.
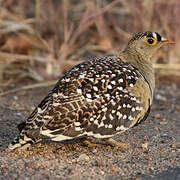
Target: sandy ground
[[154, 152]]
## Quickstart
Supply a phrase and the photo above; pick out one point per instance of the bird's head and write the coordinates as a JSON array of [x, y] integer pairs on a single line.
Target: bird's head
[[146, 43]]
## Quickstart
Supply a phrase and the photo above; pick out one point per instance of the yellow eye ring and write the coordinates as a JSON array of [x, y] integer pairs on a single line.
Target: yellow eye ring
[[151, 41]]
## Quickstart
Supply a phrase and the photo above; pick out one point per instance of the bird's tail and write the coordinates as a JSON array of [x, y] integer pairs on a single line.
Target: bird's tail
[[21, 142], [29, 132]]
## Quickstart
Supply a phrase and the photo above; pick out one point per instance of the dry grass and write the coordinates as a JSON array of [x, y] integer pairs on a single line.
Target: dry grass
[[41, 39]]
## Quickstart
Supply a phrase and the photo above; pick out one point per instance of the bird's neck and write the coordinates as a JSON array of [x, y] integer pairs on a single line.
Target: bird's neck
[[143, 64]]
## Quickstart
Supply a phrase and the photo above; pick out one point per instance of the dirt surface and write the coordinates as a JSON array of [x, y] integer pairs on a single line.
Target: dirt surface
[[154, 152]]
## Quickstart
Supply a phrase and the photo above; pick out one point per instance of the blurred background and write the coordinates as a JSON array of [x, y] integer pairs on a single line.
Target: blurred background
[[41, 39]]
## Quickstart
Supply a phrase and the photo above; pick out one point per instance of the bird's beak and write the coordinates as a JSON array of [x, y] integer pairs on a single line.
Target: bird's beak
[[165, 41]]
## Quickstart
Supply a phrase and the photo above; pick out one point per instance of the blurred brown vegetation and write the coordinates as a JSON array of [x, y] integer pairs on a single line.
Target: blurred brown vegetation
[[40, 39]]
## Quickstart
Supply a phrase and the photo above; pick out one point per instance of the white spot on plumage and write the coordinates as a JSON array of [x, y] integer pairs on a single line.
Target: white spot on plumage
[[79, 91], [77, 123], [125, 91], [104, 109], [138, 108], [47, 117], [113, 102], [91, 79], [110, 126], [103, 80], [96, 122], [88, 95], [89, 100], [55, 95], [111, 117], [95, 88], [131, 85], [118, 128], [125, 116], [67, 80], [75, 69], [120, 88], [107, 95], [122, 128], [130, 118], [101, 124], [113, 82], [133, 109], [137, 100], [82, 75], [106, 126], [77, 128], [109, 86], [97, 96], [133, 98], [119, 115]]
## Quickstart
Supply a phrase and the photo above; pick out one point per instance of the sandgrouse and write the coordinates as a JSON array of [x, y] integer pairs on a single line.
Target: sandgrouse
[[98, 98]]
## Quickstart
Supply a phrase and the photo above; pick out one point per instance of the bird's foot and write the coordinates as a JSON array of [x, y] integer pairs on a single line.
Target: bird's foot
[[113, 142], [89, 144]]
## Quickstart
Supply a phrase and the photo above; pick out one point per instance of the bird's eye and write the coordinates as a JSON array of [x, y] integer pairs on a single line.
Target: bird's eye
[[151, 41]]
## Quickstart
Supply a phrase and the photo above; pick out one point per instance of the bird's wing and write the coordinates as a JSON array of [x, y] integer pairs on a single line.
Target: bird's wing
[[73, 92], [92, 99]]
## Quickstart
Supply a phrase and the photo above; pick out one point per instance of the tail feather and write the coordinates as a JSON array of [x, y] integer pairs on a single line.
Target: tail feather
[[21, 142]]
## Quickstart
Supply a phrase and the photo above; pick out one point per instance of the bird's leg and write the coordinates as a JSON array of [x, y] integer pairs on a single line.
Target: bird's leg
[[112, 142], [88, 143]]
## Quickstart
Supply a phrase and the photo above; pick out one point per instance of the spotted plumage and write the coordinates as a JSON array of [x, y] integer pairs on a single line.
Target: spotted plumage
[[98, 98]]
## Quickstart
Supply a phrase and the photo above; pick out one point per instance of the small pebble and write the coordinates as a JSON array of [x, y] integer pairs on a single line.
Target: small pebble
[[15, 97], [157, 116], [102, 172], [83, 157], [164, 135], [160, 98], [163, 122], [173, 146], [18, 113], [145, 145]]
